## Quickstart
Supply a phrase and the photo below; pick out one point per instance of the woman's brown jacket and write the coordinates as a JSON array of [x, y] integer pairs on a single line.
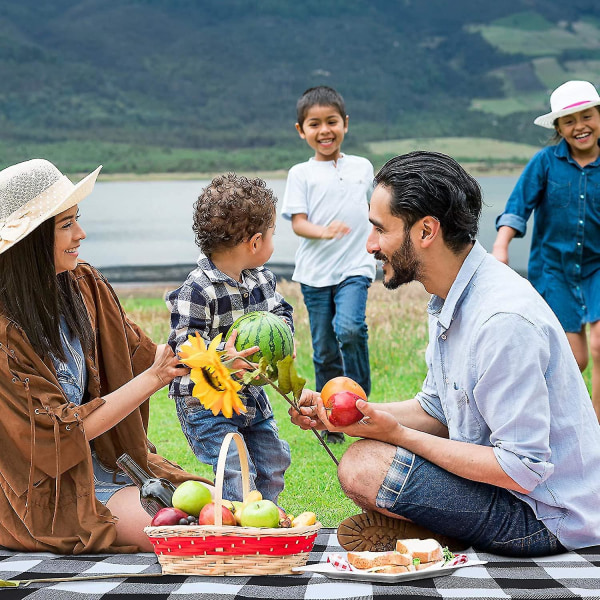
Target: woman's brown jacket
[[44, 453]]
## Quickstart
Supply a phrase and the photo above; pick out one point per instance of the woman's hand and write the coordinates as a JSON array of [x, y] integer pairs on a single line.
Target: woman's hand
[[166, 365]]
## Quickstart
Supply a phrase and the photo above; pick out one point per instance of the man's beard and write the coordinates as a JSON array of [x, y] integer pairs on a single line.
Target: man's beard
[[405, 265]]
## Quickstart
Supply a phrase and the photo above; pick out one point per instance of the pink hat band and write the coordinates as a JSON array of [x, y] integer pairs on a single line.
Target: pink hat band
[[576, 104]]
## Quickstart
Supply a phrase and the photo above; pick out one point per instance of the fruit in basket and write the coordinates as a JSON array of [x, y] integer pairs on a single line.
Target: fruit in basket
[[168, 516], [284, 519], [304, 519], [191, 496], [207, 515], [253, 496], [236, 509], [263, 513], [267, 331], [343, 409], [340, 384]]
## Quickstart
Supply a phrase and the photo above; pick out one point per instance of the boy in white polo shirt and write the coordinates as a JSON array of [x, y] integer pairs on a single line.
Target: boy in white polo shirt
[[327, 200]]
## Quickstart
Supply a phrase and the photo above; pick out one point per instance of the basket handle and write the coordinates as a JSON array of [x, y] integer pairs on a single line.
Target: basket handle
[[243, 454]]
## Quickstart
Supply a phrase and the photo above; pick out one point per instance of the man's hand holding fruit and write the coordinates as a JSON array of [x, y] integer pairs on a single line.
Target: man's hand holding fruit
[[342, 406]]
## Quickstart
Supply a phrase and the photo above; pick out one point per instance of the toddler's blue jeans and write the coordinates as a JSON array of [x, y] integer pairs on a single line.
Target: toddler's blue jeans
[[489, 518], [339, 330], [269, 455]]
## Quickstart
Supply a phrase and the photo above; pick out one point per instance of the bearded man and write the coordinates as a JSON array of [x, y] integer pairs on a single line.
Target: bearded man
[[500, 449]]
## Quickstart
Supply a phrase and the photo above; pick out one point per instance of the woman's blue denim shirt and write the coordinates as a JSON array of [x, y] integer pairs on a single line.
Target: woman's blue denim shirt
[[501, 373], [566, 201], [72, 374]]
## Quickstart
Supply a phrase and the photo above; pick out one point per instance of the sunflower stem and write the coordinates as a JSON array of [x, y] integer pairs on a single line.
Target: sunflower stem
[[295, 406]]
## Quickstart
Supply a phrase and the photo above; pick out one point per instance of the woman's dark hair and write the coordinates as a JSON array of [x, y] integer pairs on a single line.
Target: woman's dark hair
[[430, 183], [34, 297], [321, 95]]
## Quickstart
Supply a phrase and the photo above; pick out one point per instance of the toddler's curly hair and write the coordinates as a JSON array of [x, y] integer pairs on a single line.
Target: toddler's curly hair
[[230, 210]]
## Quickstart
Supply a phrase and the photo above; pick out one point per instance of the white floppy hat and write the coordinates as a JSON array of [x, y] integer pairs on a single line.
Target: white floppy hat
[[33, 191], [569, 98]]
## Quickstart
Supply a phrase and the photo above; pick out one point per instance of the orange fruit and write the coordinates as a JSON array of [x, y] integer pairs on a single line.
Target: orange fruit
[[340, 384]]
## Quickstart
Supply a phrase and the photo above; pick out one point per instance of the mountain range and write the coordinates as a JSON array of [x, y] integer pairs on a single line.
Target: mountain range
[[197, 85]]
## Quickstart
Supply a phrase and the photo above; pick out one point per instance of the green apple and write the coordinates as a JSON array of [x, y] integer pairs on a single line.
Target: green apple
[[263, 513], [191, 496]]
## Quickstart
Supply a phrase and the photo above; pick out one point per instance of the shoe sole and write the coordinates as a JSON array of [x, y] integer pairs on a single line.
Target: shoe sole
[[374, 532]]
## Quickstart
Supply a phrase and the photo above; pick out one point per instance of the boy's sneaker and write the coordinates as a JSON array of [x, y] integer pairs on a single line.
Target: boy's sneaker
[[375, 532], [333, 437]]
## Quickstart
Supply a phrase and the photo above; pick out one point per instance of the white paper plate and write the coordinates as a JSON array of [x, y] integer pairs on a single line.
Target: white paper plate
[[330, 571]]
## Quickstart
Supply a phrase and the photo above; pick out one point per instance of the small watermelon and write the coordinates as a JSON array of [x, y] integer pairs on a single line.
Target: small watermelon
[[267, 331]]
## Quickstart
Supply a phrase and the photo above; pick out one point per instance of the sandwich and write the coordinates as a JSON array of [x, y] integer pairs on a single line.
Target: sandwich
[[425, 553], [382, 562], [410, 555]]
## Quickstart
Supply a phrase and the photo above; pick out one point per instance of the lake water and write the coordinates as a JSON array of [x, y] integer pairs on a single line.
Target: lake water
[[146, 226]]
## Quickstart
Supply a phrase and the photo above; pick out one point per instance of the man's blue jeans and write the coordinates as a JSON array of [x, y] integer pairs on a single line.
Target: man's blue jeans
[[338, 327], [489, 518]]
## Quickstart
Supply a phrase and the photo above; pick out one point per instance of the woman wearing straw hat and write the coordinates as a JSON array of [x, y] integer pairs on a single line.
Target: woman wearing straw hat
[[75, 375], [561, 184]]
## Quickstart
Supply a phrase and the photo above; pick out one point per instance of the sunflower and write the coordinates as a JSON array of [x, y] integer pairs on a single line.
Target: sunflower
[[213, 384]]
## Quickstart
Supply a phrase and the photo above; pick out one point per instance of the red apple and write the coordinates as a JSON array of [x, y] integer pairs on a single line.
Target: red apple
[[168, 516], [343, 409], [207, 515]]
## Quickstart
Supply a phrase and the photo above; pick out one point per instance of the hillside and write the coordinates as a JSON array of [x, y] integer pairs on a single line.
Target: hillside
[[183, 85]]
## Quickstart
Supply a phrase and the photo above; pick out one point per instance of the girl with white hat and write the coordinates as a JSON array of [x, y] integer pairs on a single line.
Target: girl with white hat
[[75, 374], [561, 185]]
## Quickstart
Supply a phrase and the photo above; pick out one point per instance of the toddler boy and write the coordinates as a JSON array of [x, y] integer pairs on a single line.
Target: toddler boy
[[234, 223]]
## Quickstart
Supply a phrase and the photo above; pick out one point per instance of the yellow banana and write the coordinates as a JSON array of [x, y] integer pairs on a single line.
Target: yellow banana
[[304, 519]]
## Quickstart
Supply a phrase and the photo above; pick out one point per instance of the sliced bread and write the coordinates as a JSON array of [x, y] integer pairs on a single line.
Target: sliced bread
[[391, 569], [368, 560], [428, 550], [425, 565]]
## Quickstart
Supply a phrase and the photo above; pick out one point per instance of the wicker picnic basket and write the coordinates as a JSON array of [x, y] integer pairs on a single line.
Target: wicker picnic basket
[[230, 550]]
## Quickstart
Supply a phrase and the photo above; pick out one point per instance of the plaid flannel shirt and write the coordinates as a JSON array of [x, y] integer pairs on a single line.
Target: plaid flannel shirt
[[209, 301]]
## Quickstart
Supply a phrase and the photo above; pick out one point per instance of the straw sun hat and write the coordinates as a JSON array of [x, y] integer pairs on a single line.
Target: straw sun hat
[[569, 98], [32, 192]]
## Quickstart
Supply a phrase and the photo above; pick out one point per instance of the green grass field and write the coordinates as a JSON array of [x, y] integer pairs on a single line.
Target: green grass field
[[398, 332], [397, 339]]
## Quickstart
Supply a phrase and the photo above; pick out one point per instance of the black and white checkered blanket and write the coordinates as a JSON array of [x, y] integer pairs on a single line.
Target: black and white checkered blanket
[[572, 575]]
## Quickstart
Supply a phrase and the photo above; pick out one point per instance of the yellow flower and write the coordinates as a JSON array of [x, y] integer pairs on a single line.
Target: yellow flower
[[214, 386]]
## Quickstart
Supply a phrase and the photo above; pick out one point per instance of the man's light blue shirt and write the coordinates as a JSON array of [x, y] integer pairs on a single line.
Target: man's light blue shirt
[[501, 373]]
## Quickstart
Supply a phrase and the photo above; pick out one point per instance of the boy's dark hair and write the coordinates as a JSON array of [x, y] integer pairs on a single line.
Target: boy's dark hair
[[231, 210], [430, 183], [35, 297], [321, 95]]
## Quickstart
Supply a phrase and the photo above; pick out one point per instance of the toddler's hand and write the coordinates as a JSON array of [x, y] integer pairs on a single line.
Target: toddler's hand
[[335, 230], [232, 353]]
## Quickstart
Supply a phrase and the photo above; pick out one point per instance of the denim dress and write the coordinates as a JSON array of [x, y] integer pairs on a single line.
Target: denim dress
[[72, 376], [564, 262]]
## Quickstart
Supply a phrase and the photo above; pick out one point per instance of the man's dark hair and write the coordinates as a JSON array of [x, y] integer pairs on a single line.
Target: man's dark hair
[[34, 297], [321, 95], [430, 183]]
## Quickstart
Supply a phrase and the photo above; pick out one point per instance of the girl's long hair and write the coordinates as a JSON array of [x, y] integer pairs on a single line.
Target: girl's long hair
[[34, 297]]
